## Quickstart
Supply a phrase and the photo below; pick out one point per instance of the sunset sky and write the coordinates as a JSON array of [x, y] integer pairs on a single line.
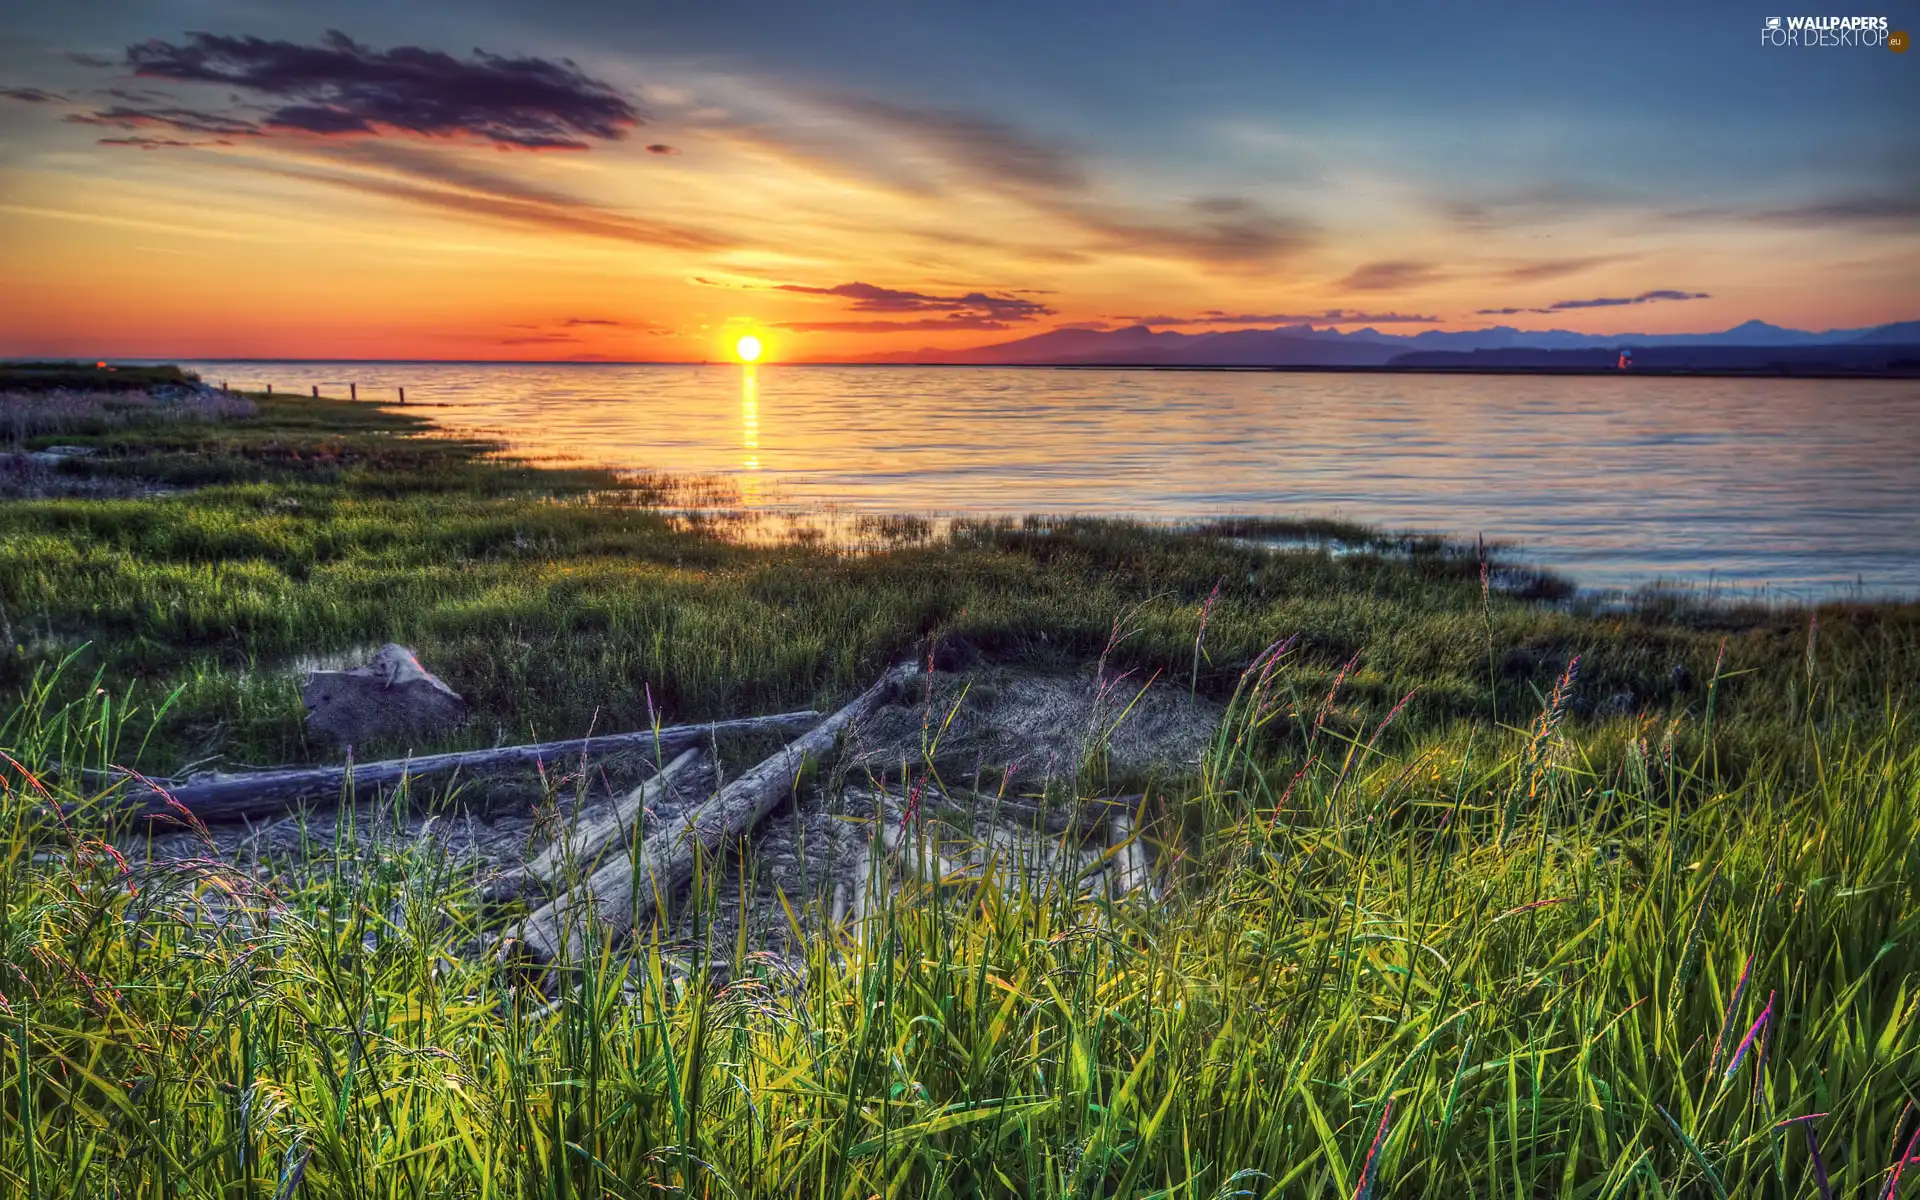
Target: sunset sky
[[580, 179]]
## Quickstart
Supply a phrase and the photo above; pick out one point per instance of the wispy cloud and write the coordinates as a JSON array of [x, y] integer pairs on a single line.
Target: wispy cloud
[[1865, 208], [183, 120], [1390, 275], [465, 171], [1545, 269], [949, 323], [517, 205], [1330, 316], [1656, 295], [1534, 204], [31, 95], [989, 149], [1222, 234]]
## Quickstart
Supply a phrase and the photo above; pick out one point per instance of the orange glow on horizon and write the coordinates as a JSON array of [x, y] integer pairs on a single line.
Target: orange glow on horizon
[[385, 277]]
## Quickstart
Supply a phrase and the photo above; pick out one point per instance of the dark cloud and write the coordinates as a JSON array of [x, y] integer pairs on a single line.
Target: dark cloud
[[31, 95], [662, 148], [1331, 316], [320, 119], [340, 86], [555, 331], [952, 321], [141, 96], [647, 327], [1601, 302], [96, 61], [153, 143], [869, 297], [975, 310], [1389, 275], [184, 120], [1618, 301]]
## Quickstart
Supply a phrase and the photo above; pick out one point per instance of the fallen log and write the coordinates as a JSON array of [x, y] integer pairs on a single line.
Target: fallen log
[[579, 847], [255, 793], [1131, 868], [966, 849], [617, 896]]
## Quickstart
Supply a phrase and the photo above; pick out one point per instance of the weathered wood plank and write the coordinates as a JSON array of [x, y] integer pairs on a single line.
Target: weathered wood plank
[[258, 793], [626, 890]]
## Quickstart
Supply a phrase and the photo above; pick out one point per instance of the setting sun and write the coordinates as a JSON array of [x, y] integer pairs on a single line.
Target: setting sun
[[748, 348]]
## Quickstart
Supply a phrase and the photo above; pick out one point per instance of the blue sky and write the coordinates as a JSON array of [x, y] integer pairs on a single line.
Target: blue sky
[[1406, 160]]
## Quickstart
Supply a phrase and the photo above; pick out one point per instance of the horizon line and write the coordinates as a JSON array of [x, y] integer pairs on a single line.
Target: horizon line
[[932, 362]]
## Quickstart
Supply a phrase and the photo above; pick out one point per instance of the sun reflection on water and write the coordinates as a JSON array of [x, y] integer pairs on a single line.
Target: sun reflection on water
[[750, 432]]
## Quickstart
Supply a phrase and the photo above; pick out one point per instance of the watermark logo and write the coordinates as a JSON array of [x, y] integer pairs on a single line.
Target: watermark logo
[[1813, 32]]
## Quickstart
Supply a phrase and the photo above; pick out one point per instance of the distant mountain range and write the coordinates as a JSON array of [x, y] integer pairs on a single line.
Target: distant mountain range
[[1753, 345]]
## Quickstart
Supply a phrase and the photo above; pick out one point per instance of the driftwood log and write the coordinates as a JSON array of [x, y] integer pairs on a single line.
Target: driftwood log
[[580, 847], [1021, 848], [256, 793], [616, 897]]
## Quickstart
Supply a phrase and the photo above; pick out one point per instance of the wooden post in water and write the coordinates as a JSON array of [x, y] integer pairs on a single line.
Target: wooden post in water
[[353, 391], [403, 395]]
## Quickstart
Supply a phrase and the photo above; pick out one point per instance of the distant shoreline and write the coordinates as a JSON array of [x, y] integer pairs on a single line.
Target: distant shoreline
[[1495, 369], [1770, 371]]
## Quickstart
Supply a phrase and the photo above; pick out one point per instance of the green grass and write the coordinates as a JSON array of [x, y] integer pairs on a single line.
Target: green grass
[[1404, 950], [28, 376], [554, 600]]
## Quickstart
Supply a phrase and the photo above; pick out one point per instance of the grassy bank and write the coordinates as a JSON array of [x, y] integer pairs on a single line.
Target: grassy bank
[[1460, 917], [556, 600]]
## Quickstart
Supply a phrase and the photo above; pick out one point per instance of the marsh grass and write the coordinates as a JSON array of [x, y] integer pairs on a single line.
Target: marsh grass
[[555, 598], [36, 414], [1402, 947], [1572, 959]]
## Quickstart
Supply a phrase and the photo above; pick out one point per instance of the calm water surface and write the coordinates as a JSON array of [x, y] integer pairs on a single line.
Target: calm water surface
[[1802, 486]]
